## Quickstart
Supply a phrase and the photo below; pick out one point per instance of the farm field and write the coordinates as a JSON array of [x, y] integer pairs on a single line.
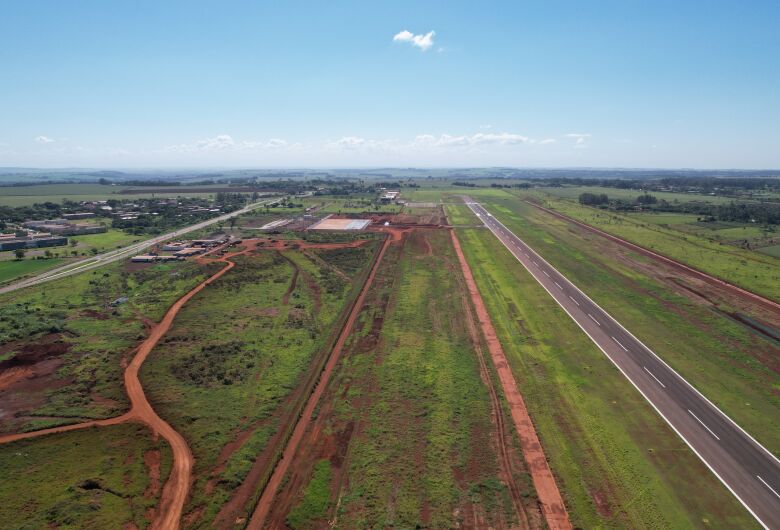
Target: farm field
[[753, 271], [12, 269], [62, 344], [617, 462], [685, 323], [29, 195], [97, 478], [405, 434], [573, 192], [235, 368]]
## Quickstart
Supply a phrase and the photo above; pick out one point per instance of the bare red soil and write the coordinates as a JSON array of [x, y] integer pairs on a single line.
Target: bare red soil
[[550, 498], [263, 507]]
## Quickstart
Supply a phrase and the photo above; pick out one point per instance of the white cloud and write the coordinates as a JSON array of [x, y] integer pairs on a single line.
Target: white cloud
[[226, 143], [547, 141], [579, 140], [446, 140], [44, 139], [424, 42]]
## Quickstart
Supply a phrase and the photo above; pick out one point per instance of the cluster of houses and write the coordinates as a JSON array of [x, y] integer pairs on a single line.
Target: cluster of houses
[[26, 239], [180, 250], [388, 196]]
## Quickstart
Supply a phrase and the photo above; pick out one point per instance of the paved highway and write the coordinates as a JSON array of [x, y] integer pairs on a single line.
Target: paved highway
[[744, 466], [124, 252]]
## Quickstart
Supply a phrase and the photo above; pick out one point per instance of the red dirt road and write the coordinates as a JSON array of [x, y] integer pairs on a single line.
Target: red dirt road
[[263, 507], [177, 486], [550, 498]]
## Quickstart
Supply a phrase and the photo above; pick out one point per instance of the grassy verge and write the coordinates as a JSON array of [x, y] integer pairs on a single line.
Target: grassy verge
[[725, 360], [617, 462], [95, 478], [754, 271], [236, 354]]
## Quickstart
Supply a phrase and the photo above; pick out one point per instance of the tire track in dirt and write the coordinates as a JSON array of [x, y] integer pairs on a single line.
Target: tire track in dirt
[[263, 506], [550, 499], [505, 461], [176, 489]]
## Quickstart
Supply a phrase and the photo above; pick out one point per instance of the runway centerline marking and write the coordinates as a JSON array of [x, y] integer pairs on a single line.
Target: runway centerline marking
[[559, 286], [657, 380], [768, 486], [619, 344], [575, 301], [593, 319], [546, 273], [704, 424]]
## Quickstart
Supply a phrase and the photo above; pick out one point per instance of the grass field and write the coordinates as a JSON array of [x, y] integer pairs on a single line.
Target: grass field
[[754, 271], [29, 195], [618, 463], [226, 374], [409, 443], [111, 239], [722, 358], [13, 269], [68, 331], [573, 192], [94, 478]]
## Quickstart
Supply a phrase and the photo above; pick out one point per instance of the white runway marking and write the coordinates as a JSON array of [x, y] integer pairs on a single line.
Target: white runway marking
[[546, 273], [575, 301], [593, 319], [619, 344], [654, 377], [768, 486], [703, 424], [559, 286]]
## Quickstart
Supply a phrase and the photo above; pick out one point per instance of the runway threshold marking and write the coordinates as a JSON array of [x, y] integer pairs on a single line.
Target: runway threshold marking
[[704, 425], [768, 486], [619, 344], [593, 319], [575, 301], [657, 380]]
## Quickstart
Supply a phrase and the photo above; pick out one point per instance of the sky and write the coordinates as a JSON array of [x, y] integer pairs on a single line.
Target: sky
[[260, 84]]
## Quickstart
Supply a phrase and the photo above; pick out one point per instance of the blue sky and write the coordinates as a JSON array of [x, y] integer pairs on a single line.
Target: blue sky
[[302, 84]]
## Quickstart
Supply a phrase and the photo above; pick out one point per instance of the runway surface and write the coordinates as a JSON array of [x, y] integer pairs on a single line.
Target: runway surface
[[745, 467]]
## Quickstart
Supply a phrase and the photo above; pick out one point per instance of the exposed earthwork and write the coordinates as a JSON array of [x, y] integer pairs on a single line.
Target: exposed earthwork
[[339, 435], [549, 496], [262, 509], [175, 492], [679, 267]]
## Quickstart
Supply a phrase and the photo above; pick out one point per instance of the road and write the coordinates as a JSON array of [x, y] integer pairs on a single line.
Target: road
[[124, 252], [744, 466]]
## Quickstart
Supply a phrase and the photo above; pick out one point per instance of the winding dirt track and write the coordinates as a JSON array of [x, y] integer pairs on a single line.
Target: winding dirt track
[[263, 507], [550, 498], [177, 487]]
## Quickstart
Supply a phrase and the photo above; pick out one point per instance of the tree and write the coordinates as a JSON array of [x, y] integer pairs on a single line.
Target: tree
[[19, 253], [47, 253]]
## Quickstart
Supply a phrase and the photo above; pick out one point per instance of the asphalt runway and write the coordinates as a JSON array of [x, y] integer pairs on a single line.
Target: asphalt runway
[[744, 466]]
